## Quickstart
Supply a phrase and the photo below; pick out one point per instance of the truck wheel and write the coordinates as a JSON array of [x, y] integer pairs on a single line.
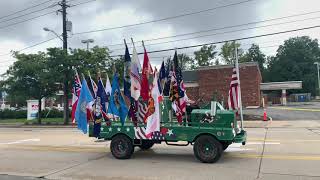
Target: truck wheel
[[207, 149], [146, 144], [121, 147]]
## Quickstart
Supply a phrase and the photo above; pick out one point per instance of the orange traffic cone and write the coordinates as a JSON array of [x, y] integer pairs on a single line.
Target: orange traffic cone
[[265, 115]]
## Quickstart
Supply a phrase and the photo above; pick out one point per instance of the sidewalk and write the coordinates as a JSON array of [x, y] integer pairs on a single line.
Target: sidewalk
[[247, 124]]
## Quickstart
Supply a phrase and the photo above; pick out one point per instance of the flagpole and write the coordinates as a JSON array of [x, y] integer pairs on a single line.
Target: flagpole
[[238, 75]]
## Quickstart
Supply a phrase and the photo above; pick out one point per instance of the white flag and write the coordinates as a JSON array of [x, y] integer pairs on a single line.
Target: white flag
[[135, 77], [153, 121], [108, 88]]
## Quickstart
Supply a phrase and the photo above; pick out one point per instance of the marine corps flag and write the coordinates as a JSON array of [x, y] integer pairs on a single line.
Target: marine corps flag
[[147, 74]]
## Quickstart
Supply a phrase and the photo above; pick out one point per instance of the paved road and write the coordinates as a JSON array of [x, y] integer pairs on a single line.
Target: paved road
[[293, 111], [272, 153]]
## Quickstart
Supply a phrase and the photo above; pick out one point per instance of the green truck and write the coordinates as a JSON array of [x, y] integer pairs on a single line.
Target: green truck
[[210, 129]]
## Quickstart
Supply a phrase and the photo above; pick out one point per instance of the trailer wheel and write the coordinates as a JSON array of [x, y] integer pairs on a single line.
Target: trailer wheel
[[121, 147], [146, 144], [207, 149]]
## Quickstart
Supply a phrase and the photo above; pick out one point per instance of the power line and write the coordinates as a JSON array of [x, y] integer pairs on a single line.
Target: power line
[[225, 27], [219, 42], [32, 12], [85, 2], [164, 19], [26, 20], [16, 12], [225, 32], [28, 47]]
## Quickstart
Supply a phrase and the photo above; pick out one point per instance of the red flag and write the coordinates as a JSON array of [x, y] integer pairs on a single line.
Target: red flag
[[147, 73], [75, 96], [233, 98]]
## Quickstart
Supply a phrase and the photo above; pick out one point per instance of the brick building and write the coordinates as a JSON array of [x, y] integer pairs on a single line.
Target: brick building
[[213, 81]]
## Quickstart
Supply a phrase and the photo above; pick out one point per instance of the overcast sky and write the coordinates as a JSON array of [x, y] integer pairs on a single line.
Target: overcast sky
[[102, 14]]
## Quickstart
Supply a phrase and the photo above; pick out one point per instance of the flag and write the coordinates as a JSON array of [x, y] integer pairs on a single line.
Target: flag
[[142, 111], [75, 95], [153, 121], [162, 77], [181, 88], [174, 91], [135, 75], [168, 74], [133, 111], [85, 104], [147, 74], [92, 86], [117, 106], [100, 110], [233, 95], [126, 74], [108, 92]]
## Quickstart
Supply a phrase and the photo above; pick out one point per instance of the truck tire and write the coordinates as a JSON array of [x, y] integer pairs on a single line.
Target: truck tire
[[207, 149], [146, 144], [121, 147], [225, 145]]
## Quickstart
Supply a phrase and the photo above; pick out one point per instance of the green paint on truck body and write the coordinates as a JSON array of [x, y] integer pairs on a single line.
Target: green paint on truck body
[[222, 126]]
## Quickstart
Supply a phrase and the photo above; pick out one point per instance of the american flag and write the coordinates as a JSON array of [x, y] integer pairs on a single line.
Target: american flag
[[75, 96], [157, 135], [181, 89], [233, 98], [140, 133], [142, 111]]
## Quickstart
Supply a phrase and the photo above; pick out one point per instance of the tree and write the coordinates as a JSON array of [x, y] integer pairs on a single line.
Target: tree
[[29, 77], [205, 56], [61, 65], [186, 62], [228, 52], [254, 55], [294, 62]]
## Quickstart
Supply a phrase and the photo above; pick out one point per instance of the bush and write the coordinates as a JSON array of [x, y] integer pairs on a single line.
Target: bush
[[13, 114], [22, 114], [54, 113]]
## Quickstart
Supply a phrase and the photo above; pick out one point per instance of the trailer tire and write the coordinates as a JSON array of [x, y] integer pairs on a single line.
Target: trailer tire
[[146, 144], [207, 149], [121, 147]]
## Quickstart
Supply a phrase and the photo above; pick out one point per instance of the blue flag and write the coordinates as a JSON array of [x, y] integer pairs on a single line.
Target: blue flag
[[117, 106], [85, 103], [126, 74], [100, 109]]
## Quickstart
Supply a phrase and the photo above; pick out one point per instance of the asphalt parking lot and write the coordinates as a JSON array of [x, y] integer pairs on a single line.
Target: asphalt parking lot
[[293, 111], [271, 153]]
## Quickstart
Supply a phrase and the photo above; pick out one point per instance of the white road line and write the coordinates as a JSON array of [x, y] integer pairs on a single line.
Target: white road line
[[21, 141], [261, 143]]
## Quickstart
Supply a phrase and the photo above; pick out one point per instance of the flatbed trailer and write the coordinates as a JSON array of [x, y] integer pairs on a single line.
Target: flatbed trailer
[[210, 130]]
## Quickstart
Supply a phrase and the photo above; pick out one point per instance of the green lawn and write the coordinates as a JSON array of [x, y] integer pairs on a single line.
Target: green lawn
[[43, 121]]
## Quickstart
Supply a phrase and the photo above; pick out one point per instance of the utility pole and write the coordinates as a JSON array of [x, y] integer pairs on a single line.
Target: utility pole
[[65, 49]]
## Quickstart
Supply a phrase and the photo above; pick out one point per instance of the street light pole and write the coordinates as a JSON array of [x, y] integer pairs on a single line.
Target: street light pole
[[87, 41], [317, 63]]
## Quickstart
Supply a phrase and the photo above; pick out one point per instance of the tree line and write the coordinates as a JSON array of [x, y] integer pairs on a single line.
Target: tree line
[[44, 73]]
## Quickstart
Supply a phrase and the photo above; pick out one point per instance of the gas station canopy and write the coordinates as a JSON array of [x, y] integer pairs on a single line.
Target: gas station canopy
[[281, 85]]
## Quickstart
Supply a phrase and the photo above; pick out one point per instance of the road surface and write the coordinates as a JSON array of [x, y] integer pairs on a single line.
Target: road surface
[[271, 153]]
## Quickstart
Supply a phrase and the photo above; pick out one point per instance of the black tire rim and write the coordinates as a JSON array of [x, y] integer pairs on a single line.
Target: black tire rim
[[207, 150], [121, 148]]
